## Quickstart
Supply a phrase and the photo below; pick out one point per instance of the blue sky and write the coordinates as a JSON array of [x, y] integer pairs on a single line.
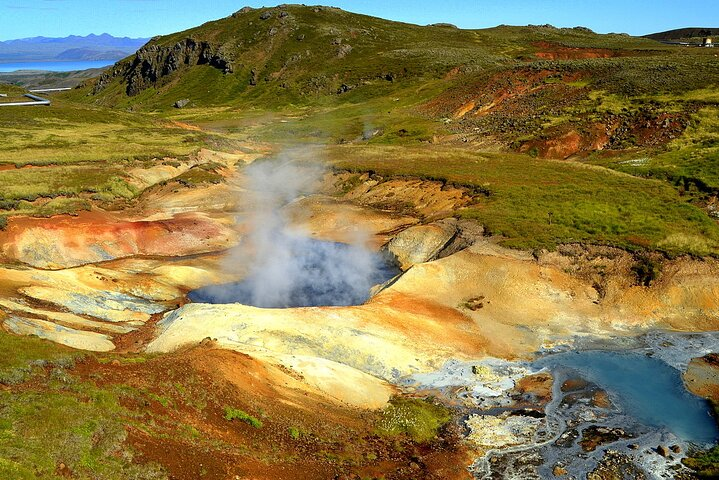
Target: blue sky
[[145, 18]]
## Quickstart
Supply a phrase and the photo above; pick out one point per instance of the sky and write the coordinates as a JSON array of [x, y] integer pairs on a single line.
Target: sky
[[146, 18]]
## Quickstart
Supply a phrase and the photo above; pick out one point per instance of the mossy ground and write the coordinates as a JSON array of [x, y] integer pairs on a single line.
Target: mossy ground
[[53, 424], [419, 419], [537, 203], [128, 416]]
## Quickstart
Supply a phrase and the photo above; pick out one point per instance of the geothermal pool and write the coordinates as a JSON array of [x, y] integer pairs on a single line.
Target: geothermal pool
[[306, 273], [646, 388]]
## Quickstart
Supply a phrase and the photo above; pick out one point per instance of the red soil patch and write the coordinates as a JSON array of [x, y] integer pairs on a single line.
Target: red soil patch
[[180, 400], [186, 126], [640, 129], [83, 236], [503, 92], [553, 51], [537, 387], [12, 166], [563, 143]]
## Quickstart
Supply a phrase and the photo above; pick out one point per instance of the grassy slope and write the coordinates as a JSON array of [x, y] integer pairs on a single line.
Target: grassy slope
[[534, 203], [537, 203], [67, 133], [295, 57], [77, 151]]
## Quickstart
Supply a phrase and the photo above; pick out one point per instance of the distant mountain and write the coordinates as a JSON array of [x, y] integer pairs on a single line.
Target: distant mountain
[[684, 34], [72, 48]]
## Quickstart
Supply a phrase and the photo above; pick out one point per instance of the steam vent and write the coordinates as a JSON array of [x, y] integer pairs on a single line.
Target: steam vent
[[317, 273]]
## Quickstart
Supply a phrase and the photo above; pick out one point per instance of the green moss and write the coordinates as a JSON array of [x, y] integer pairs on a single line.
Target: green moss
[[60, 206], [199, 176], [50, 428], [236, 414], [59, 419], [647, 270], [418, 419], [164, 401], [19, 356], [119, 187], [705, 464]]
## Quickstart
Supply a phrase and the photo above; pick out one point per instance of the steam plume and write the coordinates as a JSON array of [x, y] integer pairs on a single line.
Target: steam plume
[[287, 268]]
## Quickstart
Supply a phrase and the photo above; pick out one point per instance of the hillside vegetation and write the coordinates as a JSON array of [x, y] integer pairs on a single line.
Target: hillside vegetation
[[494, 109]]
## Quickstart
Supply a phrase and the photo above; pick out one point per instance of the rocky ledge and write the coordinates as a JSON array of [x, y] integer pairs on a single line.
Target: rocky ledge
[[153, 63]]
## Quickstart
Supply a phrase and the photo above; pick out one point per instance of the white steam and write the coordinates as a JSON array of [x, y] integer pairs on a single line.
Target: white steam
[[287, 268]]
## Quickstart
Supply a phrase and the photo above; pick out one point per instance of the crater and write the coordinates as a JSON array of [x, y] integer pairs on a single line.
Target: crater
[[307, 273]]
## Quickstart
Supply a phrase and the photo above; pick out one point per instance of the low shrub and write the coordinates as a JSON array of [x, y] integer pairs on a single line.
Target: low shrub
[[236, 414]]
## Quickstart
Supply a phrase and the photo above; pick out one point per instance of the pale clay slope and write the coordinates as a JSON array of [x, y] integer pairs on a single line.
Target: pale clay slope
[[352, 353], [93, 342], [418, 323], [65, 319]]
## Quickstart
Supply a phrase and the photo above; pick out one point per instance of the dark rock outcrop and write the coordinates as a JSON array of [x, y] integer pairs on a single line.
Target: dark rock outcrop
[[152, 63]]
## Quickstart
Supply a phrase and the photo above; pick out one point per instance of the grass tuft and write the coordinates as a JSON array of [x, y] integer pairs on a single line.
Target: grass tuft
[[237, 414]]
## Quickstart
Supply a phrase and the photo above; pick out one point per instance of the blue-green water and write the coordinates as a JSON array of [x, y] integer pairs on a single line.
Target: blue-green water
[[54, 66], [645, 388]]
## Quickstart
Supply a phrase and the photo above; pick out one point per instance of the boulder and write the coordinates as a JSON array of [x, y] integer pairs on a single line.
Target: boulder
[[344, 50], [241, 11], [559, 471], [422, 243], [181, 103]]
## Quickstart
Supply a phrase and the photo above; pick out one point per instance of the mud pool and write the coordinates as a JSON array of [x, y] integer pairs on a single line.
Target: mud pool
[[316, 273], [646, 388], [621, 395]]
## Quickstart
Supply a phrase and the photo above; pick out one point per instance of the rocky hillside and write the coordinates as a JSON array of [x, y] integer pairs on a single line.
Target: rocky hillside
[[295, 53], [325, 75]]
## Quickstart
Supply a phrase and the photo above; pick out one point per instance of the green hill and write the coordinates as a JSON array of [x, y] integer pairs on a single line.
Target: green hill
[[685, 34], [296, 54], [393, 97]]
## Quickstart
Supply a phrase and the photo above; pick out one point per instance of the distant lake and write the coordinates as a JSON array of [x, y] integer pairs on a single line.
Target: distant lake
[[54, 66]]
